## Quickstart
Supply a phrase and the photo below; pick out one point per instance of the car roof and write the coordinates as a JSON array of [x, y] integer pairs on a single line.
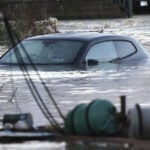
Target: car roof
[[82, 36]]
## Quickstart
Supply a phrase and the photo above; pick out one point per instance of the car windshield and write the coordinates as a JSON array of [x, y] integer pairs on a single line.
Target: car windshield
[[43, 51]]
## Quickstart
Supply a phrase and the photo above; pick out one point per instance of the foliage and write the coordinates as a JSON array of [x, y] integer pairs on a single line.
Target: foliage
[[22, 16]]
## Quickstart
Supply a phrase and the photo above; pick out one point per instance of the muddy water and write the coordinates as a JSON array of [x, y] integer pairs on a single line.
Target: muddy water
[[71, 86]]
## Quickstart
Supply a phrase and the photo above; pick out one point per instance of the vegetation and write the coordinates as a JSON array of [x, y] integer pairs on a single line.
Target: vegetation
[[22, 19]]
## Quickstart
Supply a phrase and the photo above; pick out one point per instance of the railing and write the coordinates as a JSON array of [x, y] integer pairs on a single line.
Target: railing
[[125, 5]]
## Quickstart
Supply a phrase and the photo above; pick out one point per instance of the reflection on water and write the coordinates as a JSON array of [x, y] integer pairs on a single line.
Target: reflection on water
[[64, 146], [71, 86], [95, 146], [34, 146]]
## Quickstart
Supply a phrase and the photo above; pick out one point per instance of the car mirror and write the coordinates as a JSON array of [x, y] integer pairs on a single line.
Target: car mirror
[[92, 62]]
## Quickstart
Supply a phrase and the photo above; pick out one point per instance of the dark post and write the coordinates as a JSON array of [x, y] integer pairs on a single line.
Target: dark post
[[123, 106], [122, 115], [129, 8], [124, 3]]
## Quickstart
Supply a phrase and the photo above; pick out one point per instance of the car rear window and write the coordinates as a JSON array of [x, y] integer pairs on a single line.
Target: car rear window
[[124, 48]]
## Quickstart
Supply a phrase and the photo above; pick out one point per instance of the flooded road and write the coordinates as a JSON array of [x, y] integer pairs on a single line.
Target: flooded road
[[71, 86]]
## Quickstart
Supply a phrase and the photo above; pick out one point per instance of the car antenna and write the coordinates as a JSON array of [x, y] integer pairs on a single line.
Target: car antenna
[[102, 30]]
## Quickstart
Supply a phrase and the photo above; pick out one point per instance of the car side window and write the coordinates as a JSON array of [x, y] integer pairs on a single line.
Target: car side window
[[102, 52], [124, 48]]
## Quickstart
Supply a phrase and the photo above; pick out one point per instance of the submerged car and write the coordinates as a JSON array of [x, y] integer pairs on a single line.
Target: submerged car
[[80, 48]]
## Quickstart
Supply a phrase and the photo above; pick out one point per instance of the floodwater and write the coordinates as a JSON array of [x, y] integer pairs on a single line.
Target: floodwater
[[71, 86]]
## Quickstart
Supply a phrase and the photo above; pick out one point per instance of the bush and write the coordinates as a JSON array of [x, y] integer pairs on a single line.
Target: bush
[[23, 19]]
